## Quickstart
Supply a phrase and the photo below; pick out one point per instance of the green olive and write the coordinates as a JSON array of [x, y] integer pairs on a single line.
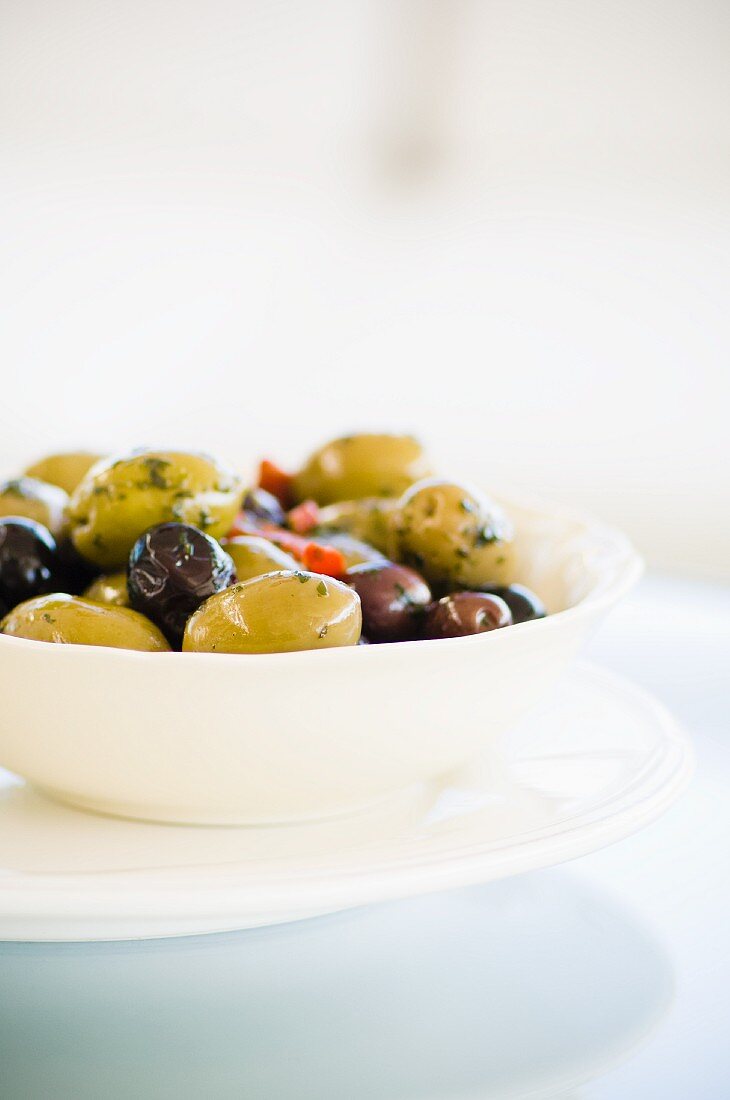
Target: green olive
[[109, 588], [353, 550], [75, 621], [253, 556], [367, 520], [65, 469], [122, 497], [276, 613], [33, 499], [453, 536], [359, 466]]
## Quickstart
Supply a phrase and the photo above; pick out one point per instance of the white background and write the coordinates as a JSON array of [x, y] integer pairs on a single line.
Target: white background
[[251, 225]]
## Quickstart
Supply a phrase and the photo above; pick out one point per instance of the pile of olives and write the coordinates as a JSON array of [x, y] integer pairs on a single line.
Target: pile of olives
[[161, 550]]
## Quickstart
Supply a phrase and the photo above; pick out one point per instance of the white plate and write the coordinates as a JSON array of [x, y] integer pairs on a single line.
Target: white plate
[[596, 762]]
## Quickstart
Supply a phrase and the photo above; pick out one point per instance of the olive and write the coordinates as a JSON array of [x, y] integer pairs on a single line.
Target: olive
[[172, 569], [368, 520], [465, 613], [453, 536], [68, 619], [353, 550], [78, 572], [253, 556], [262, 505], [279, 612], [29, 564], [522, 601], [362, 465], [33, 499], [65, 470], [109, 588], [394, 599], [120, 498]]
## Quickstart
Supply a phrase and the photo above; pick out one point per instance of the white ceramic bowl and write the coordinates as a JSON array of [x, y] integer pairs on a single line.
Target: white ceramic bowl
[[215, 738]]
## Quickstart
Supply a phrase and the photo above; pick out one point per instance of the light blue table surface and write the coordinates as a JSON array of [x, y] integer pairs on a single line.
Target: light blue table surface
[[604, 979]]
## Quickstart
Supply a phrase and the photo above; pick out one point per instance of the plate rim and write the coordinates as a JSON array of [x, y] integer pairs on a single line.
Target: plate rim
[[79, 897]]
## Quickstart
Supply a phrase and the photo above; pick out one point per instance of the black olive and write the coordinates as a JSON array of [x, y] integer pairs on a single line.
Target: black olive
[[29, 563], [464, 613], [77, 571], [522, 601], [262, 505], [173, 568], [393, 597]]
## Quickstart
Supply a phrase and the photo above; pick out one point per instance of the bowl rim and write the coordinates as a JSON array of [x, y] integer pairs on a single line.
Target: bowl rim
[[621, 570]]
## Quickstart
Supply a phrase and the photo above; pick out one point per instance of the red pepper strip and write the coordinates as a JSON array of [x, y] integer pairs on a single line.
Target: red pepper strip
[[304, 517], [315, 556], [323, 559], [287, 540], [245, 523], [277, 482]]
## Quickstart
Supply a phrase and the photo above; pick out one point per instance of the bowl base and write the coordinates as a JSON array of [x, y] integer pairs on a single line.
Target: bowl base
[[391, 805]]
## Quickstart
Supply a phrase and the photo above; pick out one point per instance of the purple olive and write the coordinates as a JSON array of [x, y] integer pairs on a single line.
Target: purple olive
[[264, 506], [29, 563], [394, 599], [173, 568], [464, 613], [522, 601]]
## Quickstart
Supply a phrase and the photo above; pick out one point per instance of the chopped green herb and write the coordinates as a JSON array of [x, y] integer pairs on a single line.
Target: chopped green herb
[[185, 546], [484, 536], [323, 631], [48, 617], [301, 577], [322, 589], [178, 505], [406, 598], [155, 467]]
